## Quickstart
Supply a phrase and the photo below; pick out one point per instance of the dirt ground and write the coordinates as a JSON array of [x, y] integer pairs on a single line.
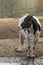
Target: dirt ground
[[8, 28], [9, 39], [8, 48]]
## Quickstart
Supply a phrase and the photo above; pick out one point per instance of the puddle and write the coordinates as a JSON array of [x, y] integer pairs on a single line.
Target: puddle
[[21, 61], [9, 64]]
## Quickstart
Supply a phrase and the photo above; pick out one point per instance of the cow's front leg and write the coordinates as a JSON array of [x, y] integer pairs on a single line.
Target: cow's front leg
[[30, 51], [27, 46], [28, 41], [20, 42]]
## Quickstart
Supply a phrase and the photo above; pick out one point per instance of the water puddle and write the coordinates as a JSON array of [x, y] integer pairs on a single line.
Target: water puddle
[[21, 61]]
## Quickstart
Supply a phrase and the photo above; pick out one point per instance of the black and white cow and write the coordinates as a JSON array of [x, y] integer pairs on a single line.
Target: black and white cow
[[29, 28]]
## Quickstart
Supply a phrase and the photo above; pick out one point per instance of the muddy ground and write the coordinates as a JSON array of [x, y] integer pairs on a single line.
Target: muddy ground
[[9, 39], [8, 48]]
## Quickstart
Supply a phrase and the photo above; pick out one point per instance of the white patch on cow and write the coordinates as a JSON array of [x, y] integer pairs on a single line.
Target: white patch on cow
[[21, 20], [37, 20]]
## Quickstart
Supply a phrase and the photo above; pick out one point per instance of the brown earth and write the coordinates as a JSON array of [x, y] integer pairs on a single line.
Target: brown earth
[[9, 39], [8, 28], [8, 48]]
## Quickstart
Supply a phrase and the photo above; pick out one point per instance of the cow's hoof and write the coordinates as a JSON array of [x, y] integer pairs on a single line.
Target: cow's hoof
[[33, 56], [27, 57], [18, 50]]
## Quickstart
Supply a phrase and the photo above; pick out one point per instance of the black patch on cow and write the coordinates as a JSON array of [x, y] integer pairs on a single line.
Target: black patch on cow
[[26, 23], [36, 26]]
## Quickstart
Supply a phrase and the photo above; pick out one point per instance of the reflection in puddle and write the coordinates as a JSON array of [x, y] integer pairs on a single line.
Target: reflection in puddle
[[21, 61]]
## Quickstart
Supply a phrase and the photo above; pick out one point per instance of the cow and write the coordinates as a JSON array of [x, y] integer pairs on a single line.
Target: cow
[[30, 29]]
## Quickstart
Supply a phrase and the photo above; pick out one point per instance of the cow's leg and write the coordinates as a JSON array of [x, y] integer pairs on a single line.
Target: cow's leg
[[30, 50], [27, 46], [28, 41], [36, 38], [31, 45], [20, 40]]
